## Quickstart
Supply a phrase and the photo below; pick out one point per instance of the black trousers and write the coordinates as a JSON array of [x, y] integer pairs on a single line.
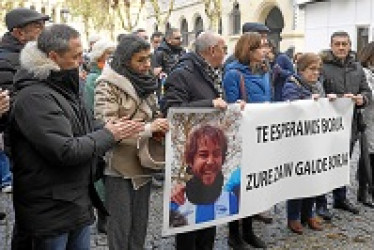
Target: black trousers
[[202, 239]]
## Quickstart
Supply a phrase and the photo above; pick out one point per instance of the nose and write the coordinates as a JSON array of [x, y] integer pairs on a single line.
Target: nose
[[210, 159]]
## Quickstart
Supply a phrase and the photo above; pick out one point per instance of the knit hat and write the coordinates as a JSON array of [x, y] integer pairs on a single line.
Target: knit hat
[[255, 27], [19, 17], [99, 48]]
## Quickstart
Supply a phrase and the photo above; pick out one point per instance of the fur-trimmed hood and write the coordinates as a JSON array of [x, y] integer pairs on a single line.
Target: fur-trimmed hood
[[109, 75], [36, 62]]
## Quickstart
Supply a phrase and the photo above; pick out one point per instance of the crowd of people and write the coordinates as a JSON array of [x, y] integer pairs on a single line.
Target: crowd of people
[[72, 122]]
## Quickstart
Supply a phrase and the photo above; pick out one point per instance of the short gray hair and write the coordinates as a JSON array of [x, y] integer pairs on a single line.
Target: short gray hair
[[56, 38], [205, 40]]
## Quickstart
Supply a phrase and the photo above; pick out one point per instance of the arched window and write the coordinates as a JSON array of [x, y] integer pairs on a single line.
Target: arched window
[[155, 27], [53, 15], [184, 31], [43, 10], [235, 19], [199, 26], [275, 22], [167, 26]]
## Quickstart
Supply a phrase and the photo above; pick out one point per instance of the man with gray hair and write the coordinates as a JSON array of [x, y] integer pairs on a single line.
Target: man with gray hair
[[196, 82], [56, 145]]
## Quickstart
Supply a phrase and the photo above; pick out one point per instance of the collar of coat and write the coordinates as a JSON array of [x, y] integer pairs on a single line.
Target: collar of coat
[[109, 75], [36, 62]]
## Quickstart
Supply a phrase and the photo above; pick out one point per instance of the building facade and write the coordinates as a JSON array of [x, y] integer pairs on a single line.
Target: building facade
[[59, 12], [322, 18], [283, 17]]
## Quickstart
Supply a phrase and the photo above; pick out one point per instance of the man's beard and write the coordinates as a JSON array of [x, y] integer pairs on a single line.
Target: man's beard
[[199, 193]]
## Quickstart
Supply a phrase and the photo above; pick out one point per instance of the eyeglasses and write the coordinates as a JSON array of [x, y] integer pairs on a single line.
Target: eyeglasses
[[314, 69], [223, 48], [344, 44]]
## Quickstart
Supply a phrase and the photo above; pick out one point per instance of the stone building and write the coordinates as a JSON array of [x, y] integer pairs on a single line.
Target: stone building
[[59, 12], [283, 17]]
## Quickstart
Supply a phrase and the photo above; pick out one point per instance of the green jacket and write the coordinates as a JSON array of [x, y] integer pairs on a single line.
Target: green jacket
[[89, 88]]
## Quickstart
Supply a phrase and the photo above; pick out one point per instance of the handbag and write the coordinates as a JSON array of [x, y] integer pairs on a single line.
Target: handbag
[[151, 153], [151, 150]]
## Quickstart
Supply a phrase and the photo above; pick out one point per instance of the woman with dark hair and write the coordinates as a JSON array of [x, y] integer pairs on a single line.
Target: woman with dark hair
[[126, 89], [247, 79], [366, 57]]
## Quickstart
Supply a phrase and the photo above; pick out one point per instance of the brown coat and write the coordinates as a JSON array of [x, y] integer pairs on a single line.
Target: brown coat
[[115, 97]]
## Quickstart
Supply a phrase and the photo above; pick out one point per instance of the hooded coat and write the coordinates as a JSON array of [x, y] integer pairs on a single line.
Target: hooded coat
[[116, 97], [55, 148]]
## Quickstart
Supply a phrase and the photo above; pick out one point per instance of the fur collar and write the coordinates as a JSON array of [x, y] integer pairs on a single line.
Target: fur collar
[[109, 75], [36, 62]]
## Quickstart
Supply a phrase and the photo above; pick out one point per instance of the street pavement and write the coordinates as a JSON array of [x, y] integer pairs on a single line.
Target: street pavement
[[346, 231]]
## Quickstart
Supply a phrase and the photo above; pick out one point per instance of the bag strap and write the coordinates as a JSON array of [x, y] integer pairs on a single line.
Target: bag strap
[[243, 90], [294, 80]]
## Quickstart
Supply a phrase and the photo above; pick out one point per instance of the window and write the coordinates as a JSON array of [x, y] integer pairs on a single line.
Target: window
[[362, 37], [199, 26], [184, 31], [235, 19], [167, 27]]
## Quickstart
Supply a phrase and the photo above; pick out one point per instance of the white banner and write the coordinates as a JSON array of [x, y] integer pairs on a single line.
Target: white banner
[[222, 166]]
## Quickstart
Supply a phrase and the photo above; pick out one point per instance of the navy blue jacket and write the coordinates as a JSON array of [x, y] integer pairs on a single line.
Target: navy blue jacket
[[293, 91], [281, 73]]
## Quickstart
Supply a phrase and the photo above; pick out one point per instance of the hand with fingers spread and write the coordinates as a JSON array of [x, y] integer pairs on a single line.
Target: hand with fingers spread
[[177, 194], [4, 101], [123, 128], [160, 125]]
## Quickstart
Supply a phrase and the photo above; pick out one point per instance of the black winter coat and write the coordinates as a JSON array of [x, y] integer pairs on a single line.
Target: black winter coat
[[166, 57], [343, 78], [55, 150], [188, 85], [10, 48]]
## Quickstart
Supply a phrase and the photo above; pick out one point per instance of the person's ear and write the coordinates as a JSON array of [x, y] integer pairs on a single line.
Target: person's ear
[[54, 56], [18, 33]]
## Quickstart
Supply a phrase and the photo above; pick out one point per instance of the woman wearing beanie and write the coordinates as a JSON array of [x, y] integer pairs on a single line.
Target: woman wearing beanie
[[126, 89]]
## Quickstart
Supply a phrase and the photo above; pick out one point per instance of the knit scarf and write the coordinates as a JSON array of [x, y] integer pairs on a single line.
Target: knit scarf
[[215, 74], [144, 85]]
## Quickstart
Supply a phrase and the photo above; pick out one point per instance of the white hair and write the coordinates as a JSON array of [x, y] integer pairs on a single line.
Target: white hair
[[99, 48], [205, 40]]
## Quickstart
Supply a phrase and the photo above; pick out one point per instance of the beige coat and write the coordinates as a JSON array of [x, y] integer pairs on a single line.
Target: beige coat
[[115, 97]]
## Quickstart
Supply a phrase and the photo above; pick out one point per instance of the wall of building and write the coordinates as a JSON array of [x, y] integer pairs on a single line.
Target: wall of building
[[324, 18], [251, 11]]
